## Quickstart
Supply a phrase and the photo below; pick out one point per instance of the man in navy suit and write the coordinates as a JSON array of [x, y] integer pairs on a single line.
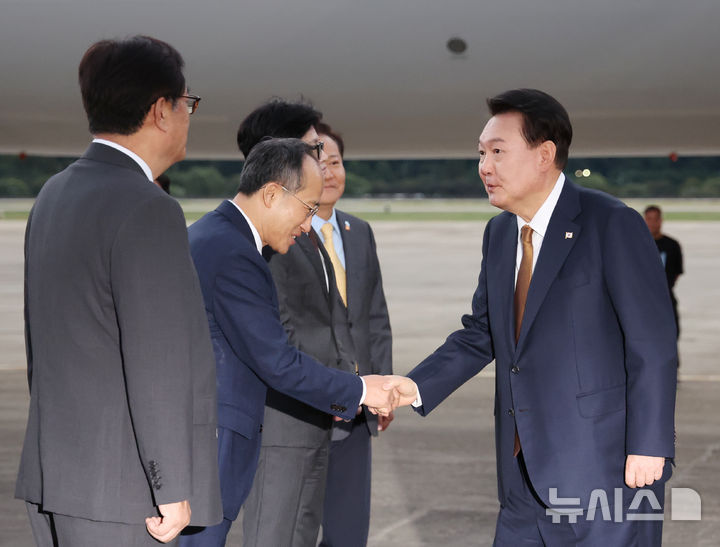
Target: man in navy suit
[[573, 306], [280, 187]]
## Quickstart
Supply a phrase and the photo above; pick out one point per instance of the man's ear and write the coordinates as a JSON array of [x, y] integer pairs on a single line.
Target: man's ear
[[160, 113], [271, 193], [547, 151]]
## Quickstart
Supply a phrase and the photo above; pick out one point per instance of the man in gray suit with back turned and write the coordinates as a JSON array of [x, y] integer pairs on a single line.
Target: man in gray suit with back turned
[[121, 439]]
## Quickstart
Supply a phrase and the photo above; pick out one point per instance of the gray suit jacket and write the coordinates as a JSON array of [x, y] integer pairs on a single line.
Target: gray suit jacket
[[367, 315], [314, 319], [318, 323], [120, 367]]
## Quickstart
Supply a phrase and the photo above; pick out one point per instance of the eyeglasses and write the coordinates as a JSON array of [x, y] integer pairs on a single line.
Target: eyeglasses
[[318, 148], [311, 209], [192, 102]]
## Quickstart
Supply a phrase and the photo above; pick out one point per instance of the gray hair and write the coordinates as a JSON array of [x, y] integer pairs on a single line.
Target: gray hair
[[275, 160]]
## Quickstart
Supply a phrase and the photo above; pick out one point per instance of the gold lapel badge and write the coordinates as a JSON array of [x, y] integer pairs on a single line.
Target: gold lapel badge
[[347, 226], [568, 235]]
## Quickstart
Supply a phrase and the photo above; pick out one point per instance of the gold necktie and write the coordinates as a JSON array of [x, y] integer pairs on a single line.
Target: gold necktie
[[523, 279], [521, 291], [340, 280]]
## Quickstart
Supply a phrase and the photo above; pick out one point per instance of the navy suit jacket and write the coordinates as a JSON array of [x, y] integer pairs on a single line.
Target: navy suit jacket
[[252, 349], [593, 376]]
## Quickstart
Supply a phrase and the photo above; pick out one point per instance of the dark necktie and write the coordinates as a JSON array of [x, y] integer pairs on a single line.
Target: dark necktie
[[521, 291], [325, 264]]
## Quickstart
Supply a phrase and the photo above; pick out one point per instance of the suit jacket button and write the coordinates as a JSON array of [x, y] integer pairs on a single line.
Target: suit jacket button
[[261, 428], [515, 370], [511, 412]]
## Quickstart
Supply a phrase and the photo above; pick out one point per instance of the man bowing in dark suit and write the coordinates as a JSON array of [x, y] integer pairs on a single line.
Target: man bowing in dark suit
[[121, 433], [280, 186], [573, 306]]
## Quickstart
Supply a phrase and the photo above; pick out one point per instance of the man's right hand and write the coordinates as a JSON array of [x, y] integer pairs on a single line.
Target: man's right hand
[[174, 517], [380, 397], [390, 390]]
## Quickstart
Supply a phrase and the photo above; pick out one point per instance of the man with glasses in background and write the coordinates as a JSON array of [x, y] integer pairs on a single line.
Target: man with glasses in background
[[279, 191], [121, 434]]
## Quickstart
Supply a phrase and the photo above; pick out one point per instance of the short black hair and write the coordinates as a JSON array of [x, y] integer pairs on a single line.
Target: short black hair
[[544, 119], [121, 79], [652, 209], [325, 129], [276, 118], [275, 160]]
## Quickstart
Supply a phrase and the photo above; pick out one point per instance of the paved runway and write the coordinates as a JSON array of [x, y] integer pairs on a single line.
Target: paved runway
[[434, 478]]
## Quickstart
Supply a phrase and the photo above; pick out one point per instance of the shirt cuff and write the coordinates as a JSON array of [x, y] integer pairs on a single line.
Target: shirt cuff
[[364, 392], [417, 402]]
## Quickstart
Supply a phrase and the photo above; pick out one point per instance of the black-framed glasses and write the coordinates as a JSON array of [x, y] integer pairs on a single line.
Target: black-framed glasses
[[318, 148], [311, 209], [192, 102]]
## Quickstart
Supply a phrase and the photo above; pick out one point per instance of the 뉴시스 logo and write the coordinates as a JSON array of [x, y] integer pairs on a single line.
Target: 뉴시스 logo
[[685, 504]]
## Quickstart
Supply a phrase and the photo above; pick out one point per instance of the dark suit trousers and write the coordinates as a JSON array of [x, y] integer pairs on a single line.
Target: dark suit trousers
[[523, 519], [346, 517], [54, 530]]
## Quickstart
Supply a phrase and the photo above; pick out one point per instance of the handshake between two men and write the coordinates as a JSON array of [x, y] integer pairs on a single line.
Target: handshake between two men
[[386, 393]]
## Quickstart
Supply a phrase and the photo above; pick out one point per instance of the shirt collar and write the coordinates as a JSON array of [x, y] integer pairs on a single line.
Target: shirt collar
[[144, 166], [540, 221], [255, 233], [317, 222]]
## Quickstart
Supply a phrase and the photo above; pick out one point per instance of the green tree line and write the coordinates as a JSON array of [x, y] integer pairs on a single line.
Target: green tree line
[[622, 177]]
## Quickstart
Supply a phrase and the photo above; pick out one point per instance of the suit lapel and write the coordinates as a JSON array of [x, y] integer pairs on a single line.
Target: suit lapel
[[555, 248], [501, 274]]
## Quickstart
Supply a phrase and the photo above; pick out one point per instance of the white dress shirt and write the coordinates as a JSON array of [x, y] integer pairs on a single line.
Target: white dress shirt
[[539, 224]]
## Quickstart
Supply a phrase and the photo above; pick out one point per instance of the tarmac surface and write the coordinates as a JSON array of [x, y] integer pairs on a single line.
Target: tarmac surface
[[434, 478]]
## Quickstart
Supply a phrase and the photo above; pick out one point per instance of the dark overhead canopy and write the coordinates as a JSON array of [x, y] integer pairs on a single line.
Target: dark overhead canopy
[[638, 78]]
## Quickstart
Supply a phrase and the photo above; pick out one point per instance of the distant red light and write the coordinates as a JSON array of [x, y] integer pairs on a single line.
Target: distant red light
[[22, 156], [673, 157]]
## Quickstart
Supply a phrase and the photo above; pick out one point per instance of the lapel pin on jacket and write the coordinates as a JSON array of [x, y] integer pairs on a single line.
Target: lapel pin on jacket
[[568, 235], [347, 226]]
